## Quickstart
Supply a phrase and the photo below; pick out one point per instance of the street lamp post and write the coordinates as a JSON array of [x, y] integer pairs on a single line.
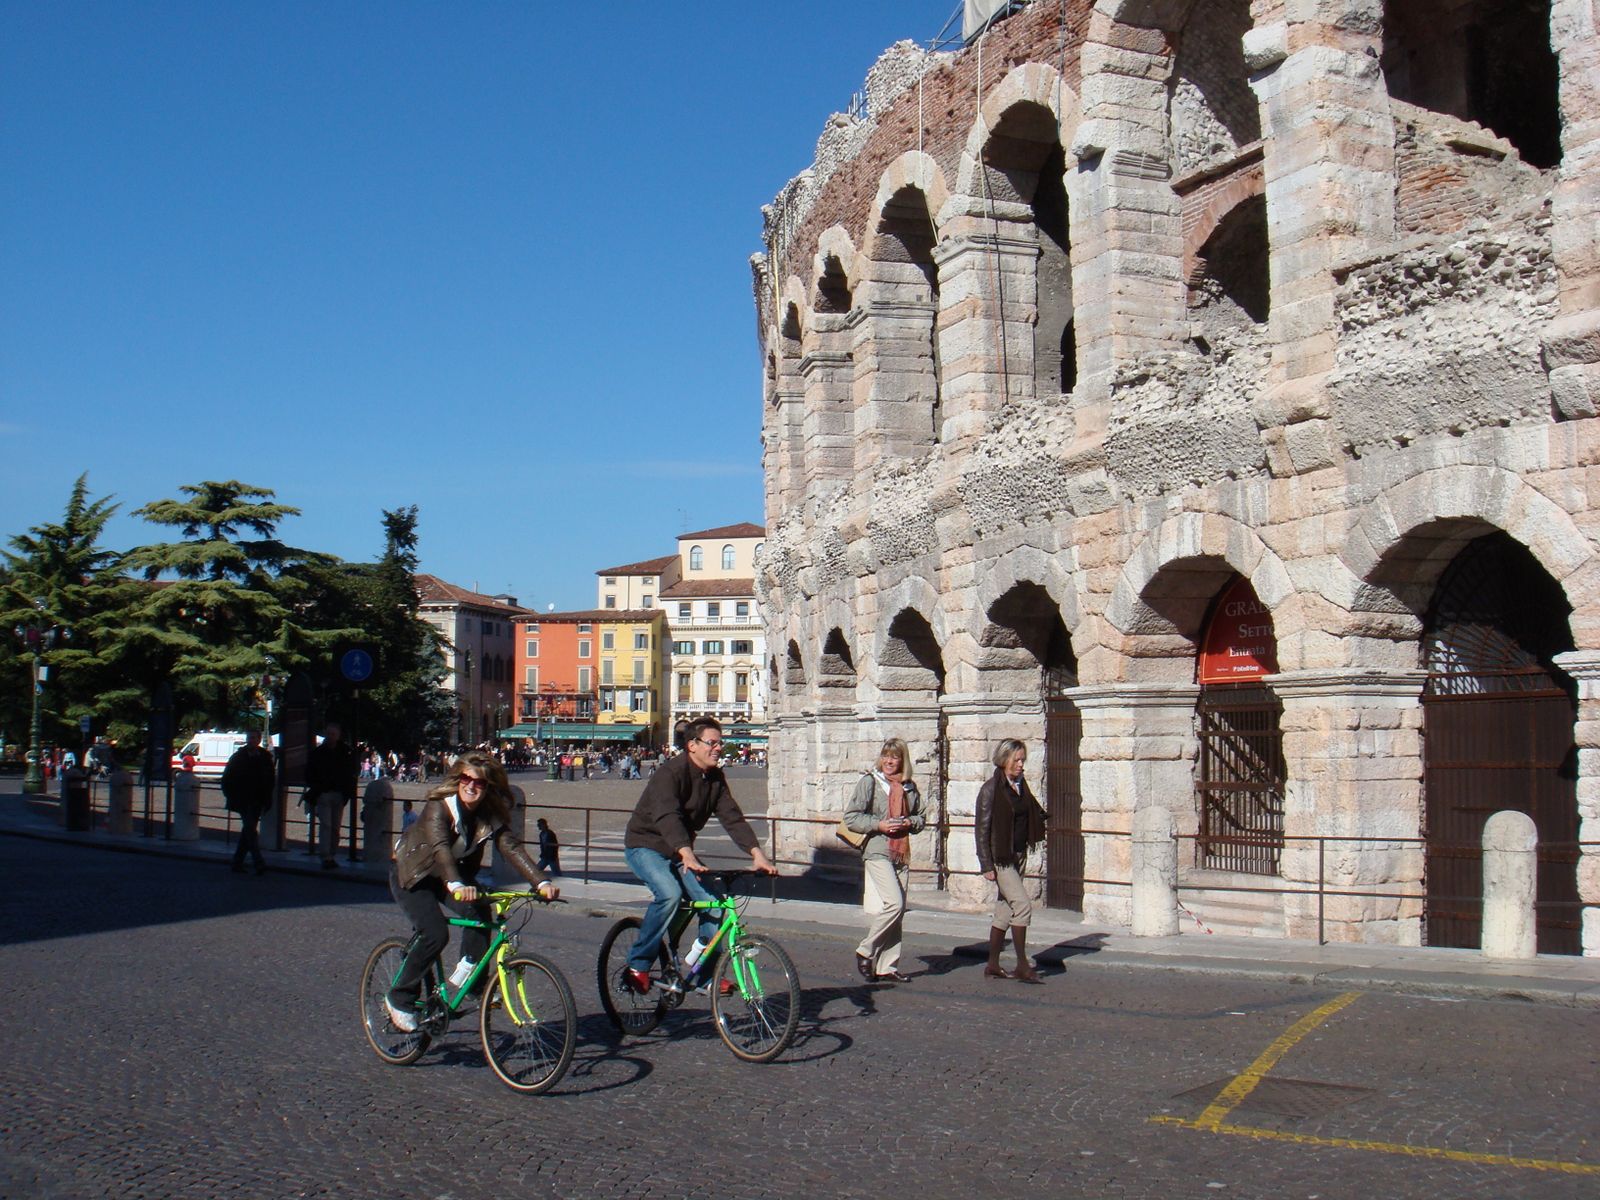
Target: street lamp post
[[38, 635]]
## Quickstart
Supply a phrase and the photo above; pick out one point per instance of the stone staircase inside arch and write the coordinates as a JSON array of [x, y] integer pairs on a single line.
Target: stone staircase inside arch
[[1210, 898]]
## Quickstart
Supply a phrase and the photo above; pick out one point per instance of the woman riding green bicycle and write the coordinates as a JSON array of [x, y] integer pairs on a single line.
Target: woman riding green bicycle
[[437, 862]]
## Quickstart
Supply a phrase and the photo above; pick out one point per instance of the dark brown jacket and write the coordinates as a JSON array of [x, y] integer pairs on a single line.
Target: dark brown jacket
[[993, 823], [677, 803], [434, 848]]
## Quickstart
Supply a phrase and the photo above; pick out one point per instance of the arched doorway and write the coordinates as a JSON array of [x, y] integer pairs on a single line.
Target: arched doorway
[[1497, 718], [1241, 778]]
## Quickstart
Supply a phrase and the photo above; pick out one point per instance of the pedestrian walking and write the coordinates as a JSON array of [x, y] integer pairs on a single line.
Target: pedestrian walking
[[887, 808], [247, 789], [331, 772], [549, 848], [1008, 823]]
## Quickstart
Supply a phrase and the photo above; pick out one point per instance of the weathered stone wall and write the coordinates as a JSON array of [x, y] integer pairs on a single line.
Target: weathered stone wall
[[1425, 370]]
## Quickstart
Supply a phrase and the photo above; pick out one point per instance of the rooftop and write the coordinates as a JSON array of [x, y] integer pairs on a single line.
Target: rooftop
[[743, 589], [433, 590], [650, 566], [745, 530]]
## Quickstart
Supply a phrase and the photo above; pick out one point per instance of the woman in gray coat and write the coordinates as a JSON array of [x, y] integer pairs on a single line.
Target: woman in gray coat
[[887, 808]]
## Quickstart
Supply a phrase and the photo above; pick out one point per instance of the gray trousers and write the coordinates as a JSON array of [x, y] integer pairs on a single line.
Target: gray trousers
[[330, 811], [883, 897], [1012, 906]]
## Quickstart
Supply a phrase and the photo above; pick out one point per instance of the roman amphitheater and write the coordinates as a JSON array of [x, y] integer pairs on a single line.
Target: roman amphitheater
[[1208, 393]]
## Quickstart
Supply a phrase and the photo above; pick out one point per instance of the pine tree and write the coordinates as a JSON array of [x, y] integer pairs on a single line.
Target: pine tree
[[221, 603], [59, 574]]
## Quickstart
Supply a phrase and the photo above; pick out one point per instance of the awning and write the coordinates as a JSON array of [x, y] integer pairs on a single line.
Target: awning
[[575, 731]]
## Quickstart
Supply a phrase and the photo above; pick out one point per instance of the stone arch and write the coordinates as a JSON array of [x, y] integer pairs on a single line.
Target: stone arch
[[1200, 226], [836, 255], [1412, 530], [1212, 113], [1025, 565], [1032, 83], [914, 169], [901, 654], [1166, 587]]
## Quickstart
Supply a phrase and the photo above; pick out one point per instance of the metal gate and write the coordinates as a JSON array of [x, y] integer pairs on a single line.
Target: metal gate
[[1497, 723], [1241, 780], [1063, 837]]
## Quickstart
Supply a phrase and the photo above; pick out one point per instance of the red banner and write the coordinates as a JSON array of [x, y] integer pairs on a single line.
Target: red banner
[[1239, 643]]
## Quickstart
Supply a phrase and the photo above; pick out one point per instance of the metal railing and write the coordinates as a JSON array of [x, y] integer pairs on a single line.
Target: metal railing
[[153, 807]]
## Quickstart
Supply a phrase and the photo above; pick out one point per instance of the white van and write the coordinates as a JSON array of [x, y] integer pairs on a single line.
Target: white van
[[212, 748]]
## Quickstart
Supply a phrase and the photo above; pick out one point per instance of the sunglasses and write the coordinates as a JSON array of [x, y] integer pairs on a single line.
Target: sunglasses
[[471, 781], [709, 745]]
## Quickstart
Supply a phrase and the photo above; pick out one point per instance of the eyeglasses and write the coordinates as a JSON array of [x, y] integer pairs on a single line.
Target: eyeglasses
[[709, 745], [471, 781]]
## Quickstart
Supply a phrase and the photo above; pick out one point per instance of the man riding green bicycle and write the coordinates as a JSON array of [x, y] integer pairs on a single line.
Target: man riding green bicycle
[[681, 797]]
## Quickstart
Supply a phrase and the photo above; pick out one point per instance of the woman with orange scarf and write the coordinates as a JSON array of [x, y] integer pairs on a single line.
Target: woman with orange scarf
[[887, 807]]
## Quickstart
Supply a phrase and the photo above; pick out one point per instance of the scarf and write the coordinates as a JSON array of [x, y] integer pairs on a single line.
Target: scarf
[[900, 844]]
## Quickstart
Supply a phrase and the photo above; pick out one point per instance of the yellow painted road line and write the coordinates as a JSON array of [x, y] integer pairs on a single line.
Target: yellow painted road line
[[1466, 1156], [1245, 1082]]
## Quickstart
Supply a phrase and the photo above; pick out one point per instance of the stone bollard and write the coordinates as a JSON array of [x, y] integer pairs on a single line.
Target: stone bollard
[[1510, 872], [119, 808], [1155, 874], [185, 807], [378, 823]]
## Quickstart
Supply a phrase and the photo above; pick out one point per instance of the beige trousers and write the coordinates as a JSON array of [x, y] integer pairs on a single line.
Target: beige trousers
[[1012, 906], [883, 897]]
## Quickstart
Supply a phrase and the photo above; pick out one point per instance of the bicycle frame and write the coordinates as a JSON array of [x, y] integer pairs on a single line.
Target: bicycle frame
[[500, 947], [728, 932]]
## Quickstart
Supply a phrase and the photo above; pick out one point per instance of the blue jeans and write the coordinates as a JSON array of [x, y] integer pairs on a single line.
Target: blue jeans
[[668, 883]]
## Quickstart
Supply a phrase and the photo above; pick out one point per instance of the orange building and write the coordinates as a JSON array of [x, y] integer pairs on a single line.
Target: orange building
[[556, 671]]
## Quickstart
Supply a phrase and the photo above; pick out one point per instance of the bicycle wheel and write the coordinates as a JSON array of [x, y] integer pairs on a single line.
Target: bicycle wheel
[[390, 1044], [759, 1017], [626, 1009], [529, 1025]]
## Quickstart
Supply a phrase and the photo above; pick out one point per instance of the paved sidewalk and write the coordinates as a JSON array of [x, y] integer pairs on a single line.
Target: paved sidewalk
[[1054, 938]]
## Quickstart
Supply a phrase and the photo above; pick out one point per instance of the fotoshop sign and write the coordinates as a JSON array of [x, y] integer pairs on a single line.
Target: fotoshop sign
[[1239, 643]]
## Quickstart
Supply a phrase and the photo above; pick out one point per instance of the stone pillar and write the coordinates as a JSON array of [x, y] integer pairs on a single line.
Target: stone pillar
[[119, 808], [787, 474], [185, 807], [1137, 752], [986, 260], [1155, 874], [1510, 875], [895, 382], [1584, 667], [1572, 341], [1127, 227], [1352, 748], [1329, 164], [827, 425]]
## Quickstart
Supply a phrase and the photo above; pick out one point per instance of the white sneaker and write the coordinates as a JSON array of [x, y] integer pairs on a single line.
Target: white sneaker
[[403, 1021]]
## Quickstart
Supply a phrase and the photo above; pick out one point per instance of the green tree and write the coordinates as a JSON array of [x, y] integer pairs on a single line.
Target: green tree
[[222, 602], [403, 707], [58, 573]]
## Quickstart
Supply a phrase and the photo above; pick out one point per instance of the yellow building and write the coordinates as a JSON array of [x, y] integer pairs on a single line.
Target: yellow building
[[633, 671]]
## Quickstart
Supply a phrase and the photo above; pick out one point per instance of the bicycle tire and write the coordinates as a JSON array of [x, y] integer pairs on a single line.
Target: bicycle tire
[[394, 1046], [530, 1026], [760, 1026], [627, 1011]]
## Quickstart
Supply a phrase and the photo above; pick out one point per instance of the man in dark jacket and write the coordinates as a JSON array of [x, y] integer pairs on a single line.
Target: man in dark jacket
[[247, 789], [331, 773], [659, 842]]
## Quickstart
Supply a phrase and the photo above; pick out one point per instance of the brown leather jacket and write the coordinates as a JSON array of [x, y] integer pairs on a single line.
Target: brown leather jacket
[[434, 848], [992, 824]]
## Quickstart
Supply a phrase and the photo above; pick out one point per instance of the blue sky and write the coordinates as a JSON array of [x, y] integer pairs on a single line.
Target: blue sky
[[489, 259]]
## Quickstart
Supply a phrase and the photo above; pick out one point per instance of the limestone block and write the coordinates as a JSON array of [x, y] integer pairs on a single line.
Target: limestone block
[[1312, 444], [1266, 46]]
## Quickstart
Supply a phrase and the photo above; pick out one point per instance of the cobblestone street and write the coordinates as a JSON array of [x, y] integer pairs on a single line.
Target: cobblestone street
[[176, 1030]]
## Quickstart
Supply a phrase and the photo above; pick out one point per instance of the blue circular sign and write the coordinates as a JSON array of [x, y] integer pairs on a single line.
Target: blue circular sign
[[356, 665]]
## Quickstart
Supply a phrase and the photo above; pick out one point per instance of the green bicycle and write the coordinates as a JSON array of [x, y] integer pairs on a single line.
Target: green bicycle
[[754, 987], [527, 1019]]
